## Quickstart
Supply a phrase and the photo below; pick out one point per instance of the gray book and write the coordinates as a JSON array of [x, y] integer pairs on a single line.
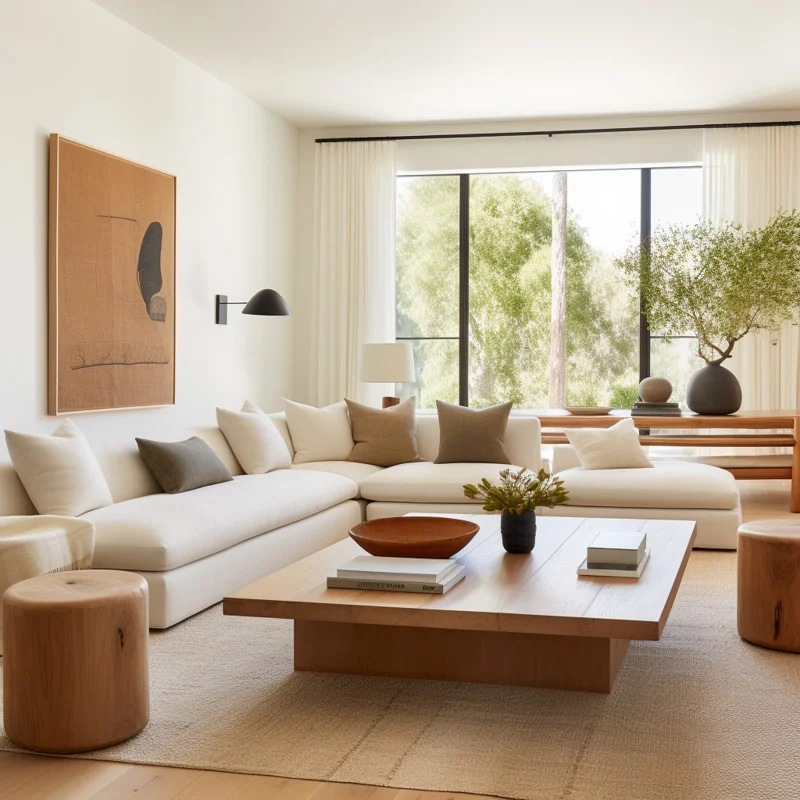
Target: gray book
[[616, 549]]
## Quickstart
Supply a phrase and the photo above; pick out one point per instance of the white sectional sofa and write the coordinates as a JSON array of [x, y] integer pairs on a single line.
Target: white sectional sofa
[[193, 548]]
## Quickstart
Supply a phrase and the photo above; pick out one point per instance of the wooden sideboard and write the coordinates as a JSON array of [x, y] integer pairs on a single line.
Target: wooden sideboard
[[738, 432]]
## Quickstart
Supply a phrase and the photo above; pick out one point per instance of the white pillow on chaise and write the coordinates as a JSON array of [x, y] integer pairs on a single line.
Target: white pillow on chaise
[[254, 439], [59, 472], [617, 447], [319, 434]]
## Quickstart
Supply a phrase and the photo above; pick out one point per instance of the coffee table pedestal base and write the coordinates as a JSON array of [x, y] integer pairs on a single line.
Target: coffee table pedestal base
[[579, 663]]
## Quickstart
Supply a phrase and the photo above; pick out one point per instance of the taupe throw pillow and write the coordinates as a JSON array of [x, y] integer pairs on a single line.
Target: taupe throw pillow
[[181, 466], [384, 436], [472, 434]]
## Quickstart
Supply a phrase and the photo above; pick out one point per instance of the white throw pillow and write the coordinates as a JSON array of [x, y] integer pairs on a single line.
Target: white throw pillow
[[254, 439], [59, 472], [617, 447], [319, 434]]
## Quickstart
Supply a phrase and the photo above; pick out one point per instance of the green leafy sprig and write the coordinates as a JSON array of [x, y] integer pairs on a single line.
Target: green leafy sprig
[[518, 491]]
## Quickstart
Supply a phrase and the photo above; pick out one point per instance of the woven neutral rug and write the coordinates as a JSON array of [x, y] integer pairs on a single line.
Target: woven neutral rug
[[699, 714]]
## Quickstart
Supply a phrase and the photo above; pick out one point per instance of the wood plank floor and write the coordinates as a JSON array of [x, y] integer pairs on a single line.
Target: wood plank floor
[[29, 777]]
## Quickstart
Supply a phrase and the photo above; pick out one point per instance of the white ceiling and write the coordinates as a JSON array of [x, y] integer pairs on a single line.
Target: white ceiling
[[353, 62]]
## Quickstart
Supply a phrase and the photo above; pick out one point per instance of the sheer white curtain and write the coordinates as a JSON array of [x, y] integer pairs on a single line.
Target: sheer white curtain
[[354, 275], [749, 174]]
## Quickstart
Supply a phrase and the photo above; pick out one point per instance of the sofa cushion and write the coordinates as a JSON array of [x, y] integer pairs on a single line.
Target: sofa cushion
[[427, 483], [666, 485], [350, 469], [164, 531]]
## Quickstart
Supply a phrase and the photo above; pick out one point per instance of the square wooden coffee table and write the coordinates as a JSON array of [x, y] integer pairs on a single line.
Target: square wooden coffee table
[[515, 619]]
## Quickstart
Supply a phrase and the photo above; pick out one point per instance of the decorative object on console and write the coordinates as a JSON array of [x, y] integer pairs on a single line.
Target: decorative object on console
[[254, 439], [617, 447], [38, 545], [319, 434], [76, 674], [721, 282], [112, 282], [59, 472], [266, 303], [472, 435], [183, 466], [517, 497], [390, 362], [384, 437], [655, 393], [588, 411], [414, 536]]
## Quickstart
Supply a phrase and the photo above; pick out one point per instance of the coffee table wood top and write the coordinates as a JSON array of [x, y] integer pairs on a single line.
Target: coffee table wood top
[[541, 593]]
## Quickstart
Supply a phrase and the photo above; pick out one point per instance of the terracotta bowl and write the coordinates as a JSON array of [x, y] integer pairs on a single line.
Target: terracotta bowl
[[414, 537]]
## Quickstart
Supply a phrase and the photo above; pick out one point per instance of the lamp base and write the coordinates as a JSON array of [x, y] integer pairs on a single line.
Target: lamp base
[[388, 402]]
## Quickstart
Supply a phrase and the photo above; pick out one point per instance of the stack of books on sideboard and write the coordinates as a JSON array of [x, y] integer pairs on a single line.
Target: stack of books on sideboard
[[383, 574], [643, 409]]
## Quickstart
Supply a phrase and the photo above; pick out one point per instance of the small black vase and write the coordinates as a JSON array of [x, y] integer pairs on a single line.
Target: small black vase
[[518, 531]]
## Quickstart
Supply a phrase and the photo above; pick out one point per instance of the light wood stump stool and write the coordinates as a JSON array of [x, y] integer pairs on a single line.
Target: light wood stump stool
[[769, 584], [75, 676]]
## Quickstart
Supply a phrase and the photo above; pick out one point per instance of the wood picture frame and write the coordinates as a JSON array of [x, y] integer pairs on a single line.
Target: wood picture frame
[[112, 282]]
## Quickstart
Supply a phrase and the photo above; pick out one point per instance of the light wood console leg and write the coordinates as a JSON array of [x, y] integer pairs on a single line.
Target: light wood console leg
[[578, 663]]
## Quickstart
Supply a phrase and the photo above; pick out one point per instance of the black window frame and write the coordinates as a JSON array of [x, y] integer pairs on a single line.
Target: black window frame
[[646, 336]]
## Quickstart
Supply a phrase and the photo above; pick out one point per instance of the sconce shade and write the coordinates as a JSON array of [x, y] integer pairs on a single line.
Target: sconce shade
[[391, 362], [267, 303]]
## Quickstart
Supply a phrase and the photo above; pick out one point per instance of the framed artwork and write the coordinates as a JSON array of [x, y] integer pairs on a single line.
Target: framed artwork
[[112, 282]]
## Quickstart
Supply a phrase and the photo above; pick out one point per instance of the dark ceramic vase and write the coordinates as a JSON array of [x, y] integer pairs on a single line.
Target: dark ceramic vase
[[518, 531], [714, 390]]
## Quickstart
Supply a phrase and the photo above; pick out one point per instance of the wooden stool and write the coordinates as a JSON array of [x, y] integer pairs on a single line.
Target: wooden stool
[[769, 584], [75, 676]]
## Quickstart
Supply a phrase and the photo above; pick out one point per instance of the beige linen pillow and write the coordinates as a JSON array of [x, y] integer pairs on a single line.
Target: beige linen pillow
[[472, 434], [254, 439], [617, 447], [319, 434], [384, 436], [183, 466], [59, 472]]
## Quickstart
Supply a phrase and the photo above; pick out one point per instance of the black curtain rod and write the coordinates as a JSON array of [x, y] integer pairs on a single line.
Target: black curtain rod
[[565, 132]]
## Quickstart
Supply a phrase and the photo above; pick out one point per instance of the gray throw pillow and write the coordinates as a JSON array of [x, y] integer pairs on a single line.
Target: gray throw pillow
[[181, 466], [384, 436], [472, 434]]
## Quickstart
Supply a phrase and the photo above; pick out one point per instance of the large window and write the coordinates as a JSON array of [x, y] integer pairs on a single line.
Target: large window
[[475, 257]]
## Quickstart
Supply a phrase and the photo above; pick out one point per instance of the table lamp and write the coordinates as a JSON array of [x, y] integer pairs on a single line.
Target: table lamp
[[387, 362]]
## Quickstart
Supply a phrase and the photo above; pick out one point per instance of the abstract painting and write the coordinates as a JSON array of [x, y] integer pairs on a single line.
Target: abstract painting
[[112, 282]]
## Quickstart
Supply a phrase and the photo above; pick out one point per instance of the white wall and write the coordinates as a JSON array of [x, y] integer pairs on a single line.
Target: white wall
[[69, 67], [497, 154]]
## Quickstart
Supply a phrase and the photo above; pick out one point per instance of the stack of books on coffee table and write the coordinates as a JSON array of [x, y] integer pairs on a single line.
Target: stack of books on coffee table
[[383, 574], [642, 409], [616, 554]]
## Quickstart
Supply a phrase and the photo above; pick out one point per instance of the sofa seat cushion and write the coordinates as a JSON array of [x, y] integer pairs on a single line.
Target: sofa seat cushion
[[350, 469], [425, 482], [667, 485], [164, 531]]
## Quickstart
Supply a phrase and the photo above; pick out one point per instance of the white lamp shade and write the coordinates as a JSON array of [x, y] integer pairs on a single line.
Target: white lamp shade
[[387, 363]]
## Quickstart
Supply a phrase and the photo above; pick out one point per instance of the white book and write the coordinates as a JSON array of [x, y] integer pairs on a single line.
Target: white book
[[421, 570], [617, 547], [583, 569], [394, 585]]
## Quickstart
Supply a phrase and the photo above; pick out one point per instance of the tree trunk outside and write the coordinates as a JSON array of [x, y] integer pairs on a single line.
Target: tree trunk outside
[[557, 396]]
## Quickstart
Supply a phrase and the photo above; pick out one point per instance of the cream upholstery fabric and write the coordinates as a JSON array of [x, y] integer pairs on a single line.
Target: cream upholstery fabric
[[666, 485], [427, 483], [617, 447], [161, 531], [349, 469], [254, 439], [319, 434], [59, 472], [31, 546]]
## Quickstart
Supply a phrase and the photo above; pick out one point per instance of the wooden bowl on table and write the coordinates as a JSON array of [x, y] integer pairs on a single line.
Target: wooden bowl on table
[[414, 537]]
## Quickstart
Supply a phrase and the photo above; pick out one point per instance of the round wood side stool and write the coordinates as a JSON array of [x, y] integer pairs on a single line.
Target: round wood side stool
[[769, 584], [75, 672]]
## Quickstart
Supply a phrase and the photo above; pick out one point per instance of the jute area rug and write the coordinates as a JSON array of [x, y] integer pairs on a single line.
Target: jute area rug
[[699, 714]]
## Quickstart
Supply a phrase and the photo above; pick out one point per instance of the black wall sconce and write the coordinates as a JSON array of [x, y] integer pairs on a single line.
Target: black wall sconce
[[266, 303]]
